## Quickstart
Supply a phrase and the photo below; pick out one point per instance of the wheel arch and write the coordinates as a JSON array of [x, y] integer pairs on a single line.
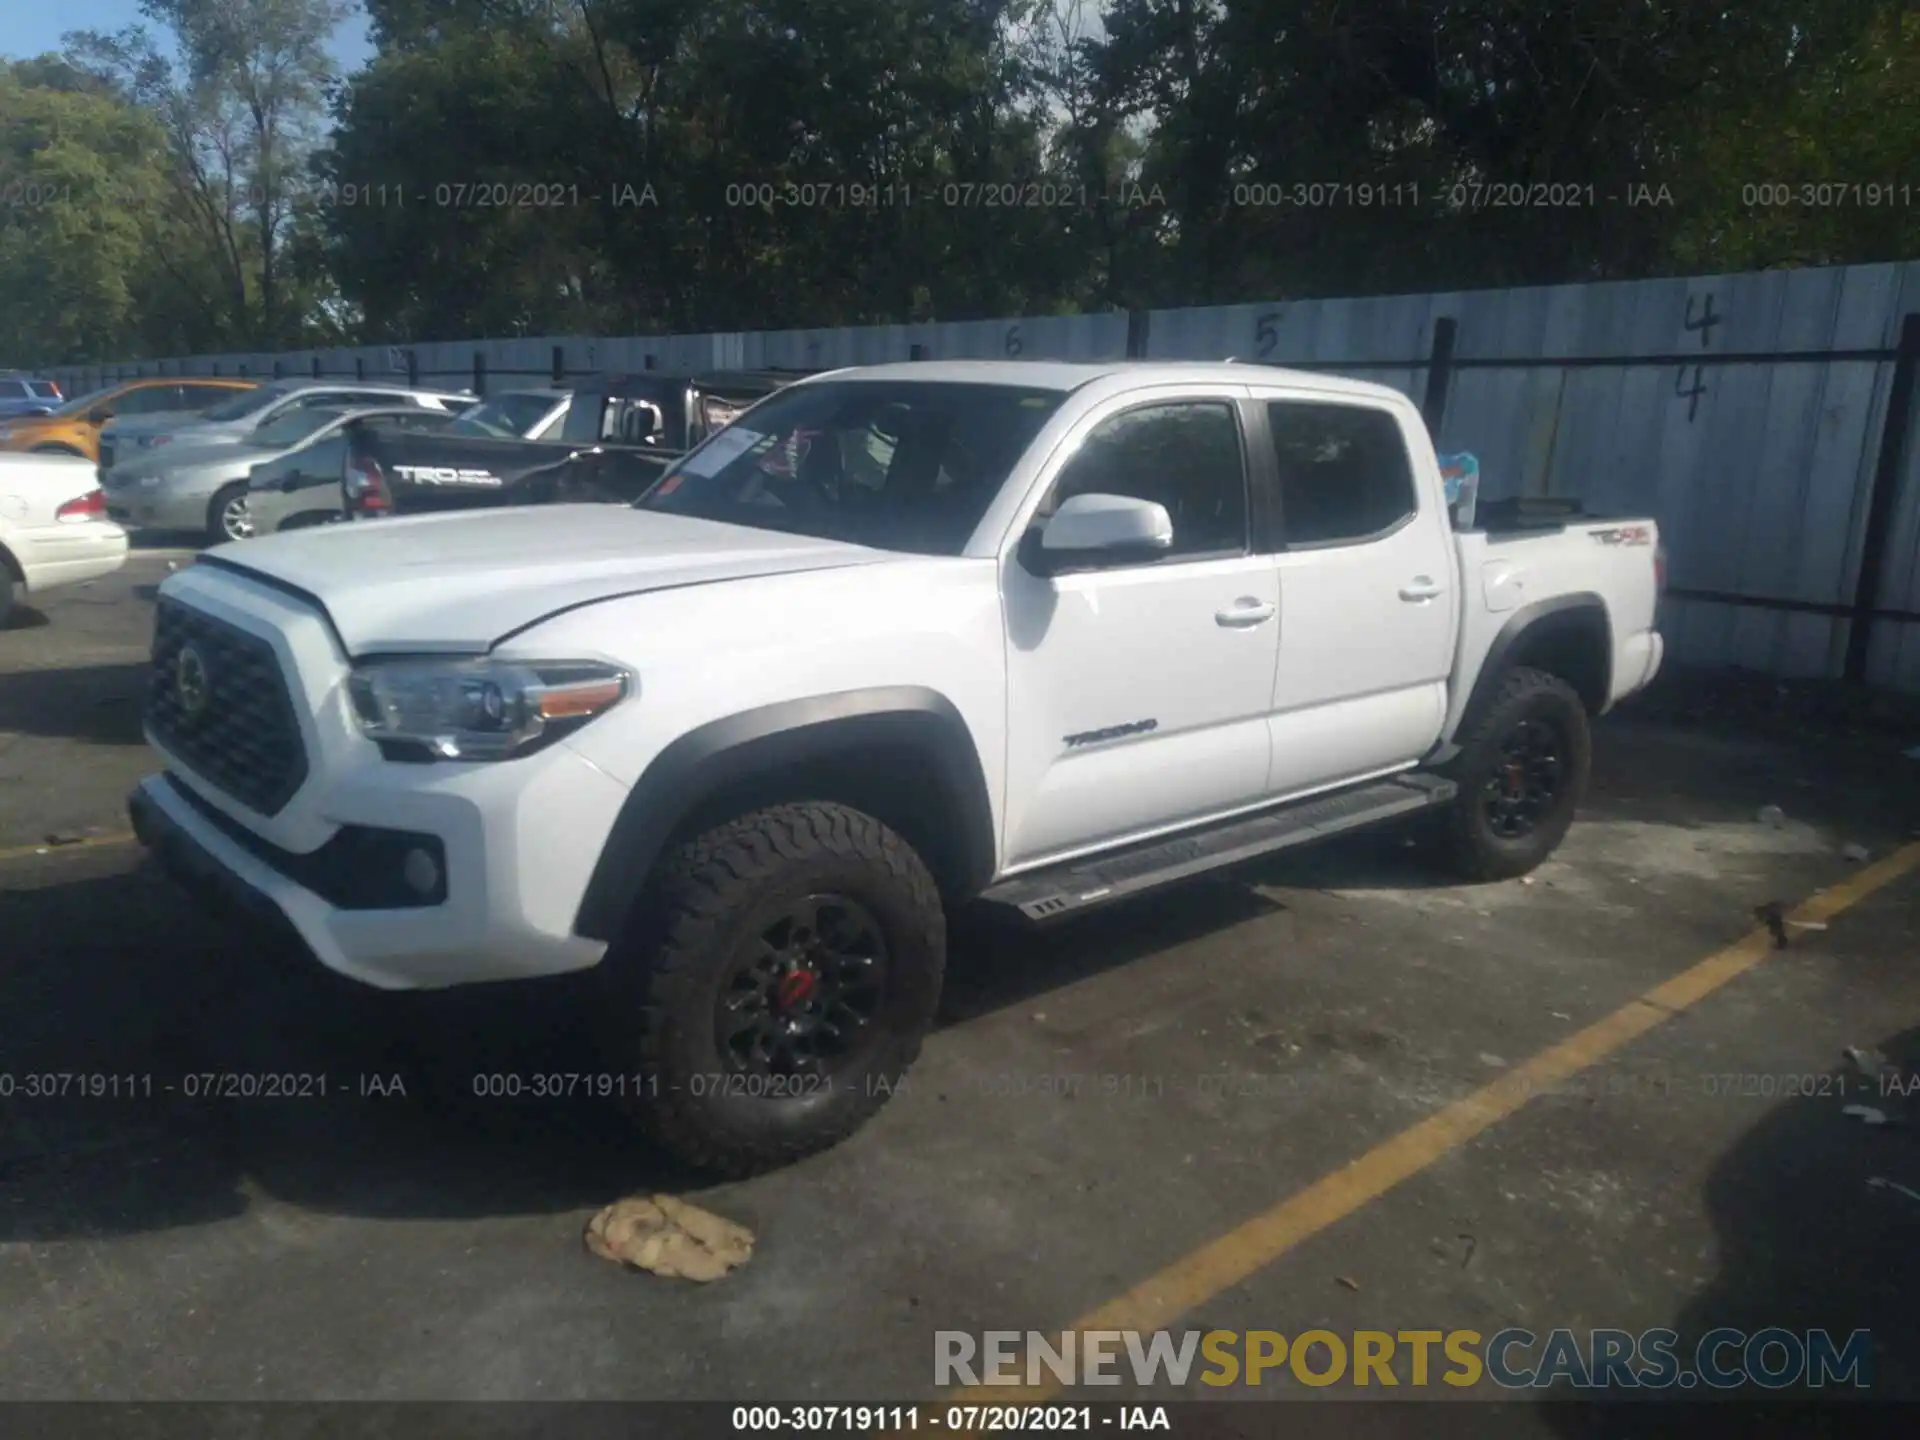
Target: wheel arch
[[902, 753], [1570, 636]]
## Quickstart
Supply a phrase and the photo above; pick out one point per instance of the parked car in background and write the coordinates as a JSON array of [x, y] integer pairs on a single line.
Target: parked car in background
[[302, 486], [54, 528], [74, 428], [190, 485], [234, 420], [618, 434], [23, 394]]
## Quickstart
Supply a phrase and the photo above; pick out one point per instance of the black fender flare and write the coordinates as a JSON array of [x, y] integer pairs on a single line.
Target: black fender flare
[[761, 742], [1580, 610]]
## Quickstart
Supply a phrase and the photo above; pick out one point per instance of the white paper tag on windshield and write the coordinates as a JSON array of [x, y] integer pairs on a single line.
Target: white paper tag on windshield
[[723, 449]]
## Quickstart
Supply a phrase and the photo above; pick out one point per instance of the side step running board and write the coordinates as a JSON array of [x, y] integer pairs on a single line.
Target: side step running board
[[1078, 885]]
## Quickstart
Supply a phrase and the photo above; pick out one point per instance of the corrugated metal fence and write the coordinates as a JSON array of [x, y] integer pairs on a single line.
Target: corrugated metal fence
[[1761, 418]]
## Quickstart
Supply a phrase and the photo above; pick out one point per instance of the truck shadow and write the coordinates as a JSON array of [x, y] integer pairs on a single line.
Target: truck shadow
[[393, 1107], [98, 704]]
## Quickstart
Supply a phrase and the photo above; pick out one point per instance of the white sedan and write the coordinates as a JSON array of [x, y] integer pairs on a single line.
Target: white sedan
[[54, 528]]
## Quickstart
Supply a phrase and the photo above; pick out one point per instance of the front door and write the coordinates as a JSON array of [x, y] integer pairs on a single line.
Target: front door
[[1138, 693]]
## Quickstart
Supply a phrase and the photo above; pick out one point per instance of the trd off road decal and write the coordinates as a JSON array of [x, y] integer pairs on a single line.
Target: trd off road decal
[[1624, 535], [447, 475]]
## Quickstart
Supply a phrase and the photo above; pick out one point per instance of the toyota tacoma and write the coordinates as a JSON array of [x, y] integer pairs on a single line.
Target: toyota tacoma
[[898, 639]]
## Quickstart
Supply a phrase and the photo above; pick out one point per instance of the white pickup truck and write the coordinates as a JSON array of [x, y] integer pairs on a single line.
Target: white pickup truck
[[902, 637]]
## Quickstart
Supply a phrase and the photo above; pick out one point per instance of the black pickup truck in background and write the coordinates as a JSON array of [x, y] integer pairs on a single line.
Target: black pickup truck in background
[[620, 433]]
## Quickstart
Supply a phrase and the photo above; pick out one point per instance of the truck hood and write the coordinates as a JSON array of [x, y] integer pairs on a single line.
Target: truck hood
[[460, 583]]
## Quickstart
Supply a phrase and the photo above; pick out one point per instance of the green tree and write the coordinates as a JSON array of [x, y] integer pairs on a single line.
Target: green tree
[[80, 171], [241, 108]]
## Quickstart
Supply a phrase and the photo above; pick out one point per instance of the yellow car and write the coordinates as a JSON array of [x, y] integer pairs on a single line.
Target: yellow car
[[74, 429]]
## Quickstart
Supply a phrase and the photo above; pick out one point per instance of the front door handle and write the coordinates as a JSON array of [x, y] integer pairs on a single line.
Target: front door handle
[[1246, 613], [1421, 587]]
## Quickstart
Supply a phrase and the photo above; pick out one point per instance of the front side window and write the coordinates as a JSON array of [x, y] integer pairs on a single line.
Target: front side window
[[896, 465], [1184, 455], [1344, 473]]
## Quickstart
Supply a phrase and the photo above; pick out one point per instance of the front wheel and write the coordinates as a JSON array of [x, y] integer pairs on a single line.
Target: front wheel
[[777, 985], [228, 517], [1522, 769]]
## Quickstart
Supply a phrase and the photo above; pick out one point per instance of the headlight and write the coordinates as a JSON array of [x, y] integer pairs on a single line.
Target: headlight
[[479, 709]]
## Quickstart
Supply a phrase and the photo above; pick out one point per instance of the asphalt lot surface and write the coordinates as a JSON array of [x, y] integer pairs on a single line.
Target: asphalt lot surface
[[1101, 1104]]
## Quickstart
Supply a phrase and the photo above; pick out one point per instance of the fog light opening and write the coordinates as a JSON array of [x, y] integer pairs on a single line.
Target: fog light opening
[[421, 872]]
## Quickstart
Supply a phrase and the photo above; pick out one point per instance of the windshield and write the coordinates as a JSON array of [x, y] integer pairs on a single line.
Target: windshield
[[247, 402], [505, 417], [293, 427], [902, 465]]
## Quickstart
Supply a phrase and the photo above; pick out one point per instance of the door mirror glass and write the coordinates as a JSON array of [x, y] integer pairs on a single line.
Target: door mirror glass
[[100, 414], [1109, 529]]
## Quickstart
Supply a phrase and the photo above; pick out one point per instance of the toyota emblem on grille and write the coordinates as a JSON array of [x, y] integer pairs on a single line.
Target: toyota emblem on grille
[[190, 682]]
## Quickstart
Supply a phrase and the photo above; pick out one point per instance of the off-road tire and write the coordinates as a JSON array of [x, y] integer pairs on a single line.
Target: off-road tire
[[710, 897], [1466, 840]]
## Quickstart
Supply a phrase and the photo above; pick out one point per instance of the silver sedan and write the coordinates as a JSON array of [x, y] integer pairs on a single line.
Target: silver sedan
[[184, 486]]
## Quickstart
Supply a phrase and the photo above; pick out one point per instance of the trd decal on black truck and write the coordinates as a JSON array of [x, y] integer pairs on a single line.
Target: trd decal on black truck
[[446, 475], [1112, 732]]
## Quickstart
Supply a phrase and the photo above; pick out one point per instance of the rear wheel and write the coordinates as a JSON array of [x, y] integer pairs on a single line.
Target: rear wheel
[[228, 517], [1522, 769], [777, 985]]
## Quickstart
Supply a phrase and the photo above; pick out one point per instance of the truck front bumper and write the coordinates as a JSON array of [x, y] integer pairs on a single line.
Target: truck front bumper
[[346, 903]]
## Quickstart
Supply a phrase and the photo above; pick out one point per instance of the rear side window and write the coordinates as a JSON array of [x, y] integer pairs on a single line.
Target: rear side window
[[1344, 473]]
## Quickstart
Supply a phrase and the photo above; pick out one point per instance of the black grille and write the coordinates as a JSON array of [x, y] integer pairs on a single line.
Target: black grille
[[242, 736]]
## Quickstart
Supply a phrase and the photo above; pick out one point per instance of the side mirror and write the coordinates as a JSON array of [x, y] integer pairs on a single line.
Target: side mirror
[[99, 415], [1093, 530]]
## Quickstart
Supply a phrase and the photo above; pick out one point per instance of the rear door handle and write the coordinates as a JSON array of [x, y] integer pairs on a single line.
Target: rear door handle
[[1421, 587], [1246, 613]]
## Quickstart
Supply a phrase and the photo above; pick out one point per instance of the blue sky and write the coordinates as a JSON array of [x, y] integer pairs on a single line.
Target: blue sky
[[35, 28]]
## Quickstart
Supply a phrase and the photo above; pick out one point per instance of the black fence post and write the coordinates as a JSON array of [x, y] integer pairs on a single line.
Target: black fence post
[[216, 367], [316, 367], [916, 352], [559, 364], [1881, 498], [1439, 374], [479, 372], [651, 362], [359, 367], [1139, 333], [276, 369], [413, 370]]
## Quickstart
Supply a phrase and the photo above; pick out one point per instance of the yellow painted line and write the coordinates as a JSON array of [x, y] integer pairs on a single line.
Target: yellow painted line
[[1189, 1282], [91, 842]]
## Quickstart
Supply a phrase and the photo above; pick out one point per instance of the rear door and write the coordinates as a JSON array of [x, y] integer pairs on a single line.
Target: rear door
[[1368, 609]]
